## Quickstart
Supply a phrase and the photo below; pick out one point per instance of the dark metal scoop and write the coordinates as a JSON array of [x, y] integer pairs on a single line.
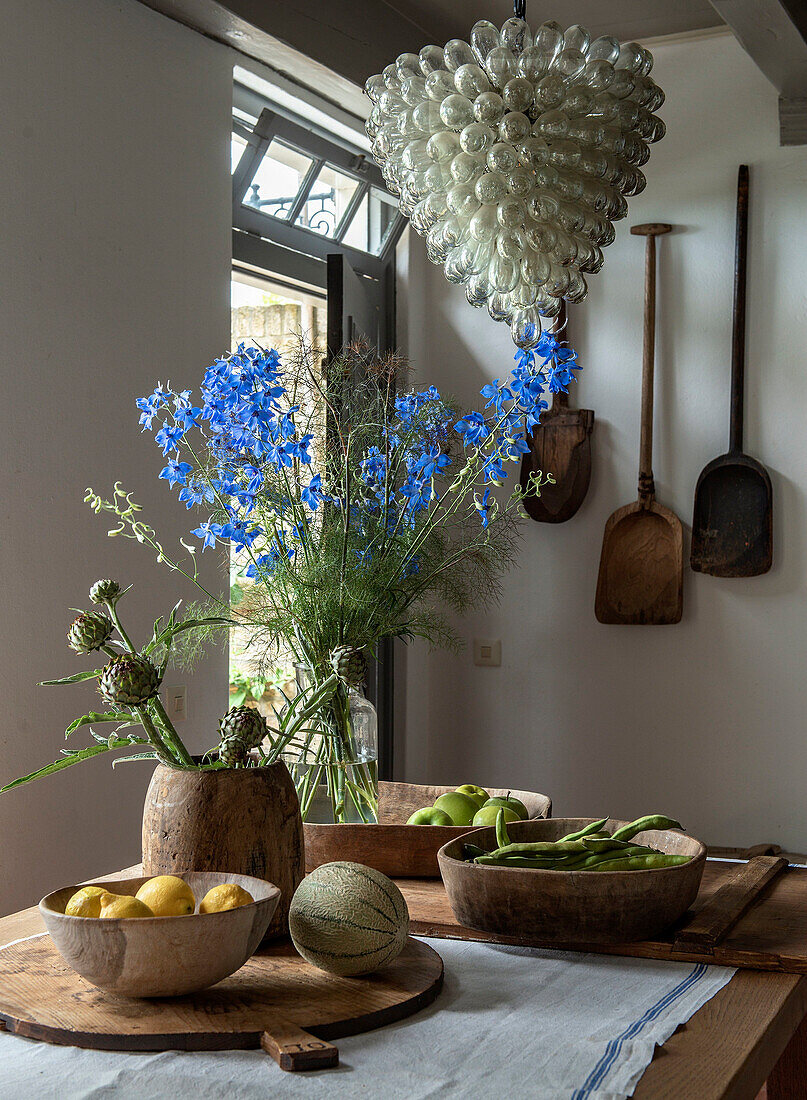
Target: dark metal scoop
[[732, 524]]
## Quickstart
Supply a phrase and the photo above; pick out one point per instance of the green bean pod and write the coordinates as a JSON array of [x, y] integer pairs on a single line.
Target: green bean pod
[[653, 821], [595, 858], [471, 851], [642, 862], [502, 839], [540, 847], [566, 864], [594, 827], [604, 844]]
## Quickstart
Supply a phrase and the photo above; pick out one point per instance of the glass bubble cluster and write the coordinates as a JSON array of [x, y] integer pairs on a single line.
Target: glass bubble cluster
[[513, 155]]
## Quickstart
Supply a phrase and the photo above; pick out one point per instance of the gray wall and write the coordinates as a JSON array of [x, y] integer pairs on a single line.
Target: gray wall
[[114, 253], [703, 720]]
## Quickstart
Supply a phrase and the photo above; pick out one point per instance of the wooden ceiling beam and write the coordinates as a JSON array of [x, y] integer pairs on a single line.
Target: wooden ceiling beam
[[353, 38], [774, 34]]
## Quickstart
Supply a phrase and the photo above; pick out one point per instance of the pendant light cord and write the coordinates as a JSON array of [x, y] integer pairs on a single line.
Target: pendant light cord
[[520, 9]]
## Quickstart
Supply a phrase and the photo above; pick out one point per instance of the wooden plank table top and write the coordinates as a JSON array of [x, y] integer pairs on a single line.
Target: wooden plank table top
[[753, 1030]]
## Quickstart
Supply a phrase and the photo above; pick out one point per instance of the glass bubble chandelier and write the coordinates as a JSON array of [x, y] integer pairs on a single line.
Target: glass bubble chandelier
[[513, 155]]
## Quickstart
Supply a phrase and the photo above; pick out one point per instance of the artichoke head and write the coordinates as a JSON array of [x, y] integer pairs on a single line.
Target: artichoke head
[[129, 680], [89, 631], [233, 751], [245, 723], [105, 590], [349, 665]]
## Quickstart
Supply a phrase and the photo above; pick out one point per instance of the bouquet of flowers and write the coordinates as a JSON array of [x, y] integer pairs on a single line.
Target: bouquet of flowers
[[354, 510]]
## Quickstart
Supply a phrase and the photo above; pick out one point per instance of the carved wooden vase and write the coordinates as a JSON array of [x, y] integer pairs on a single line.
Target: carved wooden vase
[[245, 821]]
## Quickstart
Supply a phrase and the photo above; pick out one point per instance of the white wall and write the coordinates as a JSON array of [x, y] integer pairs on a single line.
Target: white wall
[[114, 253], [704, 720]]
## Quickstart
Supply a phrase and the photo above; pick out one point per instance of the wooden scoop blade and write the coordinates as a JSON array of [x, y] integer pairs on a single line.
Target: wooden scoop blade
[[641, 578], [296, 1050], [732, 522]]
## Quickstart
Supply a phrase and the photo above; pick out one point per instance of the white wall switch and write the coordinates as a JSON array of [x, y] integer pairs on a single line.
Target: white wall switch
[[175, 701], [488, 651]]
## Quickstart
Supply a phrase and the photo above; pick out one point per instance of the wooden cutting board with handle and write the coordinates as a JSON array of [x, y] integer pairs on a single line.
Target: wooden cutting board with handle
[[276, 1001], [561, 446], [641, 565]]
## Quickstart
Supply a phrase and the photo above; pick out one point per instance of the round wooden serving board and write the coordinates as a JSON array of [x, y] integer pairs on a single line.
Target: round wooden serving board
[[275, 1001]]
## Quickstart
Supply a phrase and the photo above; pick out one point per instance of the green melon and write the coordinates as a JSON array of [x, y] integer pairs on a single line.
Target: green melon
[[348, 919]]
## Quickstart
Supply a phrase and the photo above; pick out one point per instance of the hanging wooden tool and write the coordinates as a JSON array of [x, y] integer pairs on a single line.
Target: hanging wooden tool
[[732, 523], [641, 565], [560, 445]]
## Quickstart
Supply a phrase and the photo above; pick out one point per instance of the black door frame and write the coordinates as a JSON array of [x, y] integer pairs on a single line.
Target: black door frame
[[341, 329], [263, 244]]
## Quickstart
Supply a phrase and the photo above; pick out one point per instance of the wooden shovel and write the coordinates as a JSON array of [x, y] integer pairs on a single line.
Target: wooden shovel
[[732, 524], [560, 445], [641, 565]]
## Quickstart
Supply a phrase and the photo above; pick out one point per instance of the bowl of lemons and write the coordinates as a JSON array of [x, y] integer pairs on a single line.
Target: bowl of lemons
[[160, 937]]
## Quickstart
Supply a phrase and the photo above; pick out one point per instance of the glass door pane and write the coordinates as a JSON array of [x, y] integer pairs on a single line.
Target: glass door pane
[[327, 202], [278, 180]]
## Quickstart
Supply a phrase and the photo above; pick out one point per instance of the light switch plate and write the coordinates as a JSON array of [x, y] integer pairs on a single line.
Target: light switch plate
[[488, 651], [175, 701]]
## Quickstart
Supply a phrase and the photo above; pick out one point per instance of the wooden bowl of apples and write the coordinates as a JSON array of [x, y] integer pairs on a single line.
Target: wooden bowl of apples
[[399, 849]]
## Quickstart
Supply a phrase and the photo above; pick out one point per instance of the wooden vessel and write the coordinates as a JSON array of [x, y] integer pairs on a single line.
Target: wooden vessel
[[561, 446], [161, 956], [275, 1001], [393, 847], [571, 906], [245, 821], [749, 915]]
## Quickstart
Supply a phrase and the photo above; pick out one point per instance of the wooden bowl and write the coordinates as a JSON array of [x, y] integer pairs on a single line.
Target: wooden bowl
[[161, 956], [571, 907], [393, 847]]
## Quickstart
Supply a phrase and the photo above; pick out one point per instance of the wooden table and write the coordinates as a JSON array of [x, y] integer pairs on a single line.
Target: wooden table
[[752, 1030]]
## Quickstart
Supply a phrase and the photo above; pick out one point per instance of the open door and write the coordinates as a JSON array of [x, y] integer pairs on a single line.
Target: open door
[[362, 307]]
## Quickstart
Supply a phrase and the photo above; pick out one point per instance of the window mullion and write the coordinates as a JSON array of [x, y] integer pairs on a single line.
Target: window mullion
[[253, 155], [352, 207], [305, 188], [393, 237]]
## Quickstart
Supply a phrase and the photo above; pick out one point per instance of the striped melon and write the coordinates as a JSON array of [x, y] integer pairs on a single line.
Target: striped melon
[[348, 919]]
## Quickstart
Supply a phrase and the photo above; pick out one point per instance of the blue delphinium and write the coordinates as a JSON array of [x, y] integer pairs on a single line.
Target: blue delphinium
[[356, 507], [253, 446]]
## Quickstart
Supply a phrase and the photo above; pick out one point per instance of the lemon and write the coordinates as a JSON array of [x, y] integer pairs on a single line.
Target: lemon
[[167, 896], [226, 896], [123, 905], [86, 902]]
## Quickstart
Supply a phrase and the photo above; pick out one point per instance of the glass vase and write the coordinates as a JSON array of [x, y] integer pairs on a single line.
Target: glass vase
[[334, 761]]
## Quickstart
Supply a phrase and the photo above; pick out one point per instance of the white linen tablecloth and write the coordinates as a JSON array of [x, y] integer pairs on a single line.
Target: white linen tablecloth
[[512, 1022]]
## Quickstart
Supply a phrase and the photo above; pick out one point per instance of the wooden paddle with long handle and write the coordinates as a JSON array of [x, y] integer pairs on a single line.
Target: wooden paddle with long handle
[[647, 487], [732, 522], [641, 565]]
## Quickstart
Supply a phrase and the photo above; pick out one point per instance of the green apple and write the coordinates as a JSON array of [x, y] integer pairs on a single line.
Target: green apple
[[429, 815], [478, 794], [488, 814], [459, 807], [510, 803]]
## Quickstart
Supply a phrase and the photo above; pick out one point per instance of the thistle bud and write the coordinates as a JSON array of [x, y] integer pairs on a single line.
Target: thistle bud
[[89, 632]]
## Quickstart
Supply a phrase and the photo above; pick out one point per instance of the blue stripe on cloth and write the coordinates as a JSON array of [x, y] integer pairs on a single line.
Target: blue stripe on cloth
[[608, 1059]]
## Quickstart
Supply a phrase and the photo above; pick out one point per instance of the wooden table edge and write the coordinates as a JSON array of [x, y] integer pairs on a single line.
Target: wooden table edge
[[725, 1051], [729, 1048]]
